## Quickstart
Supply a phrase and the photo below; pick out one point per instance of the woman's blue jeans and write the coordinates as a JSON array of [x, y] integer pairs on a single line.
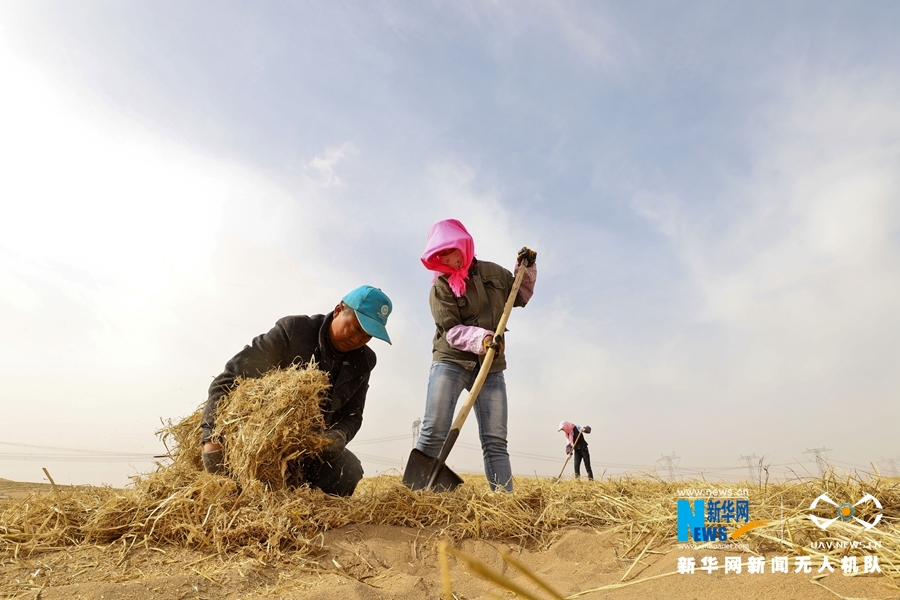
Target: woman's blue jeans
[[445, 383]]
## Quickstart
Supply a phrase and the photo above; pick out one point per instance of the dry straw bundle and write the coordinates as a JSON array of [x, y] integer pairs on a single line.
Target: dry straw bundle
[[266, 424], [269, 422]]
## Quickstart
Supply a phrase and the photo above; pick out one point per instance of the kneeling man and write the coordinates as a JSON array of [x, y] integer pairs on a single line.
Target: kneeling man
[[337, 341]]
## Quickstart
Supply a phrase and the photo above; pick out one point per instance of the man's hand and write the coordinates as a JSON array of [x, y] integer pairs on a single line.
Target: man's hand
[[495, 342], [337, 443], [527, 256], [213, 460]]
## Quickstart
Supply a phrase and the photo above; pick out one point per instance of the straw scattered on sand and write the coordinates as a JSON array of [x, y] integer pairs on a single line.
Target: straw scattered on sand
[[273, 420]]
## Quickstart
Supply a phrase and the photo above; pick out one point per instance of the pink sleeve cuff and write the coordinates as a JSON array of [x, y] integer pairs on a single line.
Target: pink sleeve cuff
[[526, 289], [467, 338]]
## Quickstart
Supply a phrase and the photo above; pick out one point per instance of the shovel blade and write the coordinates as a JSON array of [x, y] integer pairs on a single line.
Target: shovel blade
[[418, 472]]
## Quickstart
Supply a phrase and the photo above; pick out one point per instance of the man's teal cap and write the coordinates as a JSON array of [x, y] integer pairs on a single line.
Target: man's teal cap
[[372, 308]]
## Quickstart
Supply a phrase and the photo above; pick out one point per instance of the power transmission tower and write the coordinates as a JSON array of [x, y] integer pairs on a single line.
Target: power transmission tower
[[670, 464], [891, 464], [821, 462], [748, 462], [416, 429]]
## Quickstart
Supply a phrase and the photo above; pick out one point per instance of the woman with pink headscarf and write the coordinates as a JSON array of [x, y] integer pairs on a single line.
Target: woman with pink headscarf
[[578, 445], [467, 300]]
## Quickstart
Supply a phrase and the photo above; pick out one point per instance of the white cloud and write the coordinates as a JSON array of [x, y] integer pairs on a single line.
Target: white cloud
[[828, 186], [795, 277], [324, 164], [133, 267], [800, 289], [589, 38]]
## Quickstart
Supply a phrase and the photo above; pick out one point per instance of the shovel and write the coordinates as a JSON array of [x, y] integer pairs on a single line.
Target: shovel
[[426, 472]]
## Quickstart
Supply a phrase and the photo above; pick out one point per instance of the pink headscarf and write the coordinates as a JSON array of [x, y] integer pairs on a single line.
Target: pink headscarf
[[567, 427], [446, 235]]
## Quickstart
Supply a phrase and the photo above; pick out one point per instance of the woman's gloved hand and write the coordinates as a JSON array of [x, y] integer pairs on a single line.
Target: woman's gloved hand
[[527, 256], [495, 342]]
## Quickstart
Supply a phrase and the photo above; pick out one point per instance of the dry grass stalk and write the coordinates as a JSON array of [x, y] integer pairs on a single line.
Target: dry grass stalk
[[530, 574], [477, 567], [616, 586]]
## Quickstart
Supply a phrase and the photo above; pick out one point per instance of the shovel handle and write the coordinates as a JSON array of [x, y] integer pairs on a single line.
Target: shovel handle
[[479, 381], [568, 456], [489, 356]]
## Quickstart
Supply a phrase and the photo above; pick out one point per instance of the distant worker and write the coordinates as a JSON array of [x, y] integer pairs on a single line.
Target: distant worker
[[337, 341], [578, 445]]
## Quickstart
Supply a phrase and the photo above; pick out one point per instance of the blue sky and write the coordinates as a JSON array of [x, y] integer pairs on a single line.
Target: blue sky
[[712, 189]]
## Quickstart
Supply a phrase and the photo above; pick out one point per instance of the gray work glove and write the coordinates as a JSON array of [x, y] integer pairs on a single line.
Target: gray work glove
[[214, 462], [337, 443], [527, 256]]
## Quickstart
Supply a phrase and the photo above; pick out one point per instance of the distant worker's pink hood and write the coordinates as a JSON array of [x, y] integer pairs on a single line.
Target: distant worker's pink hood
[[568, 427]]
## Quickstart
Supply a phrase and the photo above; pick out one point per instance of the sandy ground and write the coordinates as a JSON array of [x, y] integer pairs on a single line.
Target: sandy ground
[[381, 562]]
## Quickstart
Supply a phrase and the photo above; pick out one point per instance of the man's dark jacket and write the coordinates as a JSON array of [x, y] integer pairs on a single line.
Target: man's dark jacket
[[581, 444], [295, 340]]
